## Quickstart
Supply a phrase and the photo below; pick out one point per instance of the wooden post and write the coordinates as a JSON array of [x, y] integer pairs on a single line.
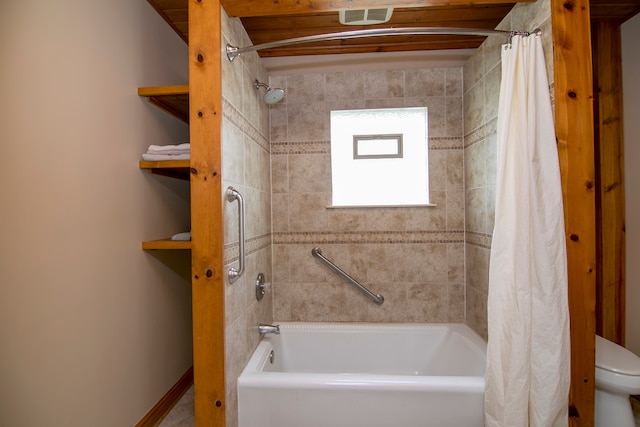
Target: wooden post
[[205, 113], [574, 130], [610, 287]]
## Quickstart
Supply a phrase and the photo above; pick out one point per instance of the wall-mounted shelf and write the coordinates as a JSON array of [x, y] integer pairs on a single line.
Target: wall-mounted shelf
[[172, 99], [178, 169], [175, 101], [166, 244]]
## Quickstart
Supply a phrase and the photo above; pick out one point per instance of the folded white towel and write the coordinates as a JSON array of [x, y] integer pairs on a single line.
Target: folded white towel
[[170, 152], [162, 157], [167, 149], [186, 236]]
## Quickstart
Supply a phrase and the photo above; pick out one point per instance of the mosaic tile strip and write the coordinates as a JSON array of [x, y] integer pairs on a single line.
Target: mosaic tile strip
[[252, 246], [482, 240], [324, 147], [304, 147], [368, 237], [481, 133], [231, 113], [446, 143]]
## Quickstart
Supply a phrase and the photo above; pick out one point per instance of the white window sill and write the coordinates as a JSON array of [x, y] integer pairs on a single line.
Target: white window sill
[[427, 205]]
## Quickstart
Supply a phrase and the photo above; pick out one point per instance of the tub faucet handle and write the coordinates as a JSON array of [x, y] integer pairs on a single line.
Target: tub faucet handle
[[264, 328]]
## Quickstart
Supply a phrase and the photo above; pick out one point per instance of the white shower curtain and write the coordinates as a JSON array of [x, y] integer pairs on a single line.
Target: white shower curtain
[[528, 353]]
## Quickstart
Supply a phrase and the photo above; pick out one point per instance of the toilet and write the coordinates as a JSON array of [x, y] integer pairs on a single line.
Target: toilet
[[617, 377]]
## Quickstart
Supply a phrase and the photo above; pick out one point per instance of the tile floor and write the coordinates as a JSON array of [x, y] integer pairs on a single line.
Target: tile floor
[[182, 414]]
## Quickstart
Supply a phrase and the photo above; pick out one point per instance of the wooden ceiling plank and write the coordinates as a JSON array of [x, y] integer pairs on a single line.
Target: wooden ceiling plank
[[247, 8], [170, 4], [173, 11], [413, 17]]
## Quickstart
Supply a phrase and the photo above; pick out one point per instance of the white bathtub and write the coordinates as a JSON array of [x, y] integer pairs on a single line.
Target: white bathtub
[[364, 375]]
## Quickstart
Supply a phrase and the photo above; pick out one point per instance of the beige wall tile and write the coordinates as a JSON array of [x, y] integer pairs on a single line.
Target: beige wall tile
[[304, 123], [455, 170], [427, 303], [473, 70], [453, 82], [474, 165], [492, 93], [383, 84], [425, 82], [278, 122], [386, 249], [476, 316], [309, 173], [474, 107], [455, 210], [344, 86], [477, 263], [454, 116], [308, 211], [475, 210]]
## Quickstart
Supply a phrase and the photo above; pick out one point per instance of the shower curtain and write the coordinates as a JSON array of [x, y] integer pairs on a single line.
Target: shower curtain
[[528, 353]]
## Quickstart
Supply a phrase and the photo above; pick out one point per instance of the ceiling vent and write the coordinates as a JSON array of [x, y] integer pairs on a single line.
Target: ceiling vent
[[365, 16]]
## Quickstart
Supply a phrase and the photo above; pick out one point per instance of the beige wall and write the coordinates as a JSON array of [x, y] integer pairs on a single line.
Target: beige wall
[[93, 330], [482, 74], [245, 147], [630, 71], [412, 256]]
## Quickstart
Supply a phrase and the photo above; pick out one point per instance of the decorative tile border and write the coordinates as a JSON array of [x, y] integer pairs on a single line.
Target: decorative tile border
[[368, 237], [482, 240], [231, 113], [301, 147], [252, 245], [480, 133], [324, 147], [446, 143]]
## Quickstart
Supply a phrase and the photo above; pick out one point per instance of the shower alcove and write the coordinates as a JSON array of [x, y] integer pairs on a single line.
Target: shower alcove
[[200, 103]]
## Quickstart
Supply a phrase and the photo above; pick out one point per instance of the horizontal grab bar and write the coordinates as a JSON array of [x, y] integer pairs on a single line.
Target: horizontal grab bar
[[378, 299]]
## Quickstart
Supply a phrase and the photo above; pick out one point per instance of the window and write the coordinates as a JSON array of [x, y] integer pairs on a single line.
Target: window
[[379, 157]]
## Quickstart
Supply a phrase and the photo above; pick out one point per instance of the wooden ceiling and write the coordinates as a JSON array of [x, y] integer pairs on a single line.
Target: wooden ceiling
[[276, 20], [617, 11]]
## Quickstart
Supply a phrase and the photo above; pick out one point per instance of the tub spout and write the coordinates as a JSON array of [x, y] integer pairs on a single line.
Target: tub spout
[[263, 328]]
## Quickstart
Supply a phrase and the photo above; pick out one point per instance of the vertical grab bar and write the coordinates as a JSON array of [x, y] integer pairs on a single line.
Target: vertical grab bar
[[233, 195]]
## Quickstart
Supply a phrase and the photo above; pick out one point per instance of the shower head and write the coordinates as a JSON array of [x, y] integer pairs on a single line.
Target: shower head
[[273, 95]]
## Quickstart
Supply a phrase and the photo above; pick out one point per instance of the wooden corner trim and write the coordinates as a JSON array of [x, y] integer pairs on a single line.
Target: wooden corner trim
[[168, 401]]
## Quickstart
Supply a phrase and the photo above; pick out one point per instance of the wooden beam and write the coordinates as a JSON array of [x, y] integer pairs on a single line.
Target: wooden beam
[[610, 182], [574, 130], [247, 8], [207, 240]]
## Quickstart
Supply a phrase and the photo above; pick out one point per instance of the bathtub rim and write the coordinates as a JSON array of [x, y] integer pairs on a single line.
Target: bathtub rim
[[253, 376]]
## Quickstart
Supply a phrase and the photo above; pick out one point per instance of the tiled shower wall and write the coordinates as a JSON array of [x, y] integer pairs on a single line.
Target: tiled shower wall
[[246, 167], [482, 74], [413, 256]]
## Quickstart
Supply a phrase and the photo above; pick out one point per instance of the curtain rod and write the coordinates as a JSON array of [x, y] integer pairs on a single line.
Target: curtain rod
[[233, 52]]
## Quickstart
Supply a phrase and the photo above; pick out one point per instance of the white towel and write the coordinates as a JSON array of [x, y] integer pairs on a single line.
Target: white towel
[[163, 157], [169, 149], [185, 236], [170, 152]]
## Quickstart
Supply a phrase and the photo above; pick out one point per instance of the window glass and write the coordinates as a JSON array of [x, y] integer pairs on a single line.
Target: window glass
[[379, 157]]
